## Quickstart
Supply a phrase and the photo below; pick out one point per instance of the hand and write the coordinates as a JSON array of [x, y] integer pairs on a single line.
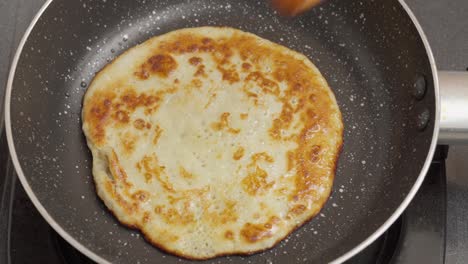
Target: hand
[[293, 7]]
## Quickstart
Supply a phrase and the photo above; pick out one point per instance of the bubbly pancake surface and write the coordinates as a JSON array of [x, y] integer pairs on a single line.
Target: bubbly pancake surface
[[212, 141]]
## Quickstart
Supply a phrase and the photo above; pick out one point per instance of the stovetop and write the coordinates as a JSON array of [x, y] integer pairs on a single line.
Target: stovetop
[[432, 230]]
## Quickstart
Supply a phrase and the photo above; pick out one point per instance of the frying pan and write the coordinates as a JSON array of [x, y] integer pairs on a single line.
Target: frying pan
[[373, 54]]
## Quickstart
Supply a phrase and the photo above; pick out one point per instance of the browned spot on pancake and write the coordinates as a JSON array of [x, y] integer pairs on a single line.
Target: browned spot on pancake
[[157, 134], [128, 142], [174, 216], [131, 100], [129, 208], [207, 41], [310, 173], [97, 112], [200, 71], [118, 173], [253, 233], [158, 209], [239, 153], [227, 215], [189, 43], [139, 124], [146, 217], [291, 157], [251, 94], [281, 191], [197, 83], [195, 61], [256, 180], [229, 235], [246, 66], [262, 156], [283, 122], [298, 209], [185, 174], [210, 100], [153, 170], [315, 153], [121, 116], [141, 196], [188, 195], [267, 85], [223, 124], [230, 75], [161, 65], [122, 107], [168, 236]]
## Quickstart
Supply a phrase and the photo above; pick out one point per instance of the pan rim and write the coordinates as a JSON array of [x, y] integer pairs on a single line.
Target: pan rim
[[422, 175], [97, 258], [14, 157]]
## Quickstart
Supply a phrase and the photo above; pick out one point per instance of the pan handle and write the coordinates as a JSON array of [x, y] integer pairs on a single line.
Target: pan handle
[[454, 107]]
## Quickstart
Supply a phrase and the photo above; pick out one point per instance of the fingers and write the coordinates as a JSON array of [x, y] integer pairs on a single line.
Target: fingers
[[293, 7]]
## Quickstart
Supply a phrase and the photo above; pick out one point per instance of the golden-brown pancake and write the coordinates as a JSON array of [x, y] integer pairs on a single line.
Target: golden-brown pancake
[[212, 141]]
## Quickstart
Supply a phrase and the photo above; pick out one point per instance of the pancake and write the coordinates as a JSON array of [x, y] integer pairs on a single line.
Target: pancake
[[212, 141]]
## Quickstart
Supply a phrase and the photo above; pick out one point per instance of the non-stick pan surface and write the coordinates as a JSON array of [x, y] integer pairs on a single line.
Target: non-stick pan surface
[[369, 51]]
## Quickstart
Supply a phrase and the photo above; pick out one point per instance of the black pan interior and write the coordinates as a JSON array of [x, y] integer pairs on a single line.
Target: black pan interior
[[369, 51]]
